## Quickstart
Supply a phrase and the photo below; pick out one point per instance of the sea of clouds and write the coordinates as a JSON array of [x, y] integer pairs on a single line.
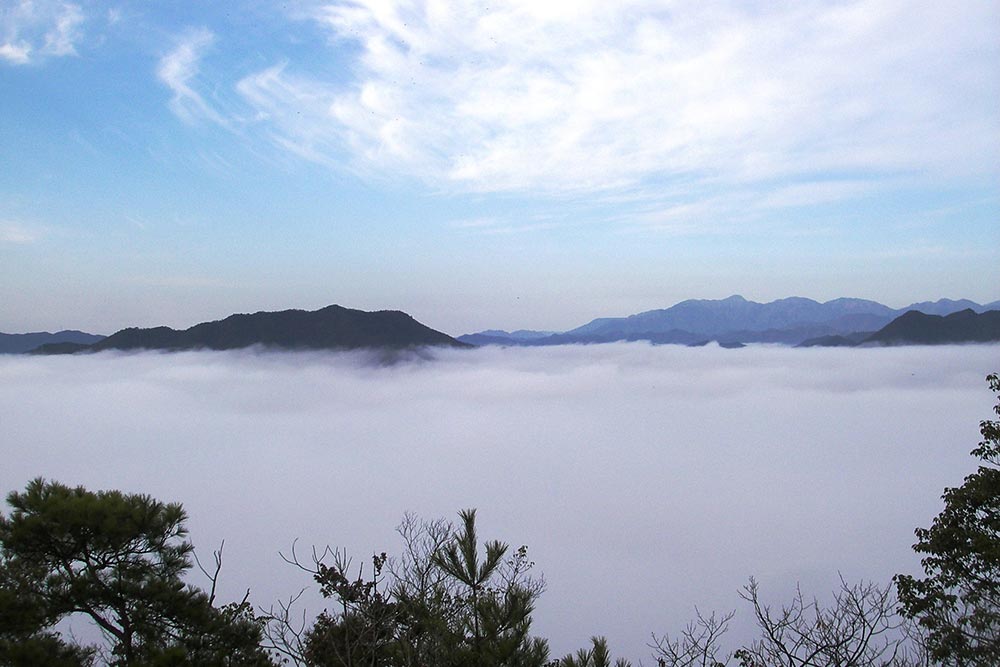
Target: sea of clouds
[[644, 480]]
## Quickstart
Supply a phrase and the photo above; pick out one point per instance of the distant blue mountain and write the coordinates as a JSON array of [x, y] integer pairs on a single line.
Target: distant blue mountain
[[948, 306], [520, 334], [501, 337], [717, 317], [18, 343], [737, 320]]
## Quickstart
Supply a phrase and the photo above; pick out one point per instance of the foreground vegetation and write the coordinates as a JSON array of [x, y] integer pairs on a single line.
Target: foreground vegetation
[[449, 599]]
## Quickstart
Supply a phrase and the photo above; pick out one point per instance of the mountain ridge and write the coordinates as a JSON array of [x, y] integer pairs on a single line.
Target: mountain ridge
[[24, 342], [791, 320], [963, 326], [332, 327], [734, 320]]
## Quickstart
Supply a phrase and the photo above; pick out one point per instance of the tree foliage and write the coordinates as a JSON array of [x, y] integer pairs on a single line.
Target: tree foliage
[[958, 601], [446, 601], [117, 559], [598, 655]]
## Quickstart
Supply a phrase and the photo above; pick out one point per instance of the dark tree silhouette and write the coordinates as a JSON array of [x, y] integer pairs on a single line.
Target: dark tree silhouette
[[598, 655], [860, 628], [118, 559], [958, 601], [442, 603]]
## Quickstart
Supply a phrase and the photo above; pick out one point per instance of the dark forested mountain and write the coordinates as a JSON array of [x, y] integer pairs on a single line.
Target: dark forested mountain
[[836, 340], [917, 328], [18, 343], [914, 327], [790, 321], [333, 327]]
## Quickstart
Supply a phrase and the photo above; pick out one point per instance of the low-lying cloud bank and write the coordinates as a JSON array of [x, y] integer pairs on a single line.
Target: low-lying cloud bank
[[645, 480]]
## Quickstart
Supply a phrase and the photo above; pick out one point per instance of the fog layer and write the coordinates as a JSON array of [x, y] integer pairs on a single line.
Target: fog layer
[[644, 480]]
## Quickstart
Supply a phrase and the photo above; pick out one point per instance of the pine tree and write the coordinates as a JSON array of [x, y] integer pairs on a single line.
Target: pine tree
[[118, 559]]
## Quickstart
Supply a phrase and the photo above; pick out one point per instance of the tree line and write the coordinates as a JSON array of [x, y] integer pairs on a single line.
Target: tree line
[[450, 599]]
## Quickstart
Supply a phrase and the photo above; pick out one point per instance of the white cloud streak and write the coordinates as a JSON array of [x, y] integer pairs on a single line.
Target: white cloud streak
[[288, 108], [179, 69], [18, 54], [645, 480], [17, 233], [33, 30], [588, 96]]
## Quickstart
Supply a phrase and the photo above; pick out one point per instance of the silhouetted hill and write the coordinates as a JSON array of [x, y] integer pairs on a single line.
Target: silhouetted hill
[[60, 348], [481, 339], [333, 327], [916, 328], [847, 340], [18, 343]]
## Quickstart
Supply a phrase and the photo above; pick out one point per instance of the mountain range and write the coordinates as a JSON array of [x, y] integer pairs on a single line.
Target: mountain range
[[333, 327], [791, 321], [17, 343], [731, 322]]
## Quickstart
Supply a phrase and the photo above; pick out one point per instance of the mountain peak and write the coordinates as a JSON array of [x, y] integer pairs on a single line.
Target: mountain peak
[[332, 327]]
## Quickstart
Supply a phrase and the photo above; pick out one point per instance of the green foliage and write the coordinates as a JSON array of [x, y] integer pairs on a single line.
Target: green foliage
[[493, 620], [43, 648], [23, 619], [597, 656], [117, 559], [362, 632], [958, 602], [442, 603]]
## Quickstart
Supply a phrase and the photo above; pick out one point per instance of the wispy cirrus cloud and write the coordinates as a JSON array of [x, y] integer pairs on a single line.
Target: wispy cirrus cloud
[[817, 192], [475, 223], [32, 30], [17, 233], [293, 112], [589, 96], [179, 69]]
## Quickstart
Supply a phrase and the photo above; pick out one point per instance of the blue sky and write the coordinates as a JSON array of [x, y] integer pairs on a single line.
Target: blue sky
[[480, 165]]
